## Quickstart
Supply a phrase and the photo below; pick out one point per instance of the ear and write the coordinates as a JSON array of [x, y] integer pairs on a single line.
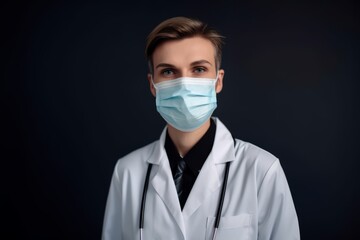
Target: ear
[[152, 89], [219, 83]]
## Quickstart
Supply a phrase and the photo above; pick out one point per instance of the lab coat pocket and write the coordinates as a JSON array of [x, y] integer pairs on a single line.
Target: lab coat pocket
[[230, 227]]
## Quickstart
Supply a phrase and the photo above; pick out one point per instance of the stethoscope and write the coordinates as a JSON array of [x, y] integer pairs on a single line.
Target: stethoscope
[[218, 214]]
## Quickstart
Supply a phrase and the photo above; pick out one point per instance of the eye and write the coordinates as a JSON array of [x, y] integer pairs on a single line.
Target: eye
[[167, 72], [200, 69]]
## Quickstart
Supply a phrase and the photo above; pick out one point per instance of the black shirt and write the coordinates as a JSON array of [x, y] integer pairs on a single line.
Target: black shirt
[[194, 159]]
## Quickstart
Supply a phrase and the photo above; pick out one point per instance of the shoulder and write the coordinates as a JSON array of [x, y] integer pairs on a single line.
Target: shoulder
[[134, 161], [254, 154], [256, 160]]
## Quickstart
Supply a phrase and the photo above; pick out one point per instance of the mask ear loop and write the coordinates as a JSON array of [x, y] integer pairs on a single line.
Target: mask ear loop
[[217, 76], [152, 81]]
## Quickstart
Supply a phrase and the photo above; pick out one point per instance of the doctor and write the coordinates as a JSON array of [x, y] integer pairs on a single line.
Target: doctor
[[198, 171]]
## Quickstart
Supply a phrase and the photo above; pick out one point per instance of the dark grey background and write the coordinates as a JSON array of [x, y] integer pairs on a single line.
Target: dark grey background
[[77, 99]]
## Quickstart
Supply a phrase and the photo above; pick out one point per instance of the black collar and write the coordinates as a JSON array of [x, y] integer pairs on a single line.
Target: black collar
[[196, 157]]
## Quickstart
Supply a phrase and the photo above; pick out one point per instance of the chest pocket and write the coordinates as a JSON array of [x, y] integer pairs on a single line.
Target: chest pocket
[[230, 228]]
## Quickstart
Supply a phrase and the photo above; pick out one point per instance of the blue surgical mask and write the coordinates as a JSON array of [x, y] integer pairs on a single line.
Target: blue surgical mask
[[186, 103]]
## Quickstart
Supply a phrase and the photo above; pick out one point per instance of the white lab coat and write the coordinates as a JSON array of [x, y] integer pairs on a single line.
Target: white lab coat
[[257, 204]]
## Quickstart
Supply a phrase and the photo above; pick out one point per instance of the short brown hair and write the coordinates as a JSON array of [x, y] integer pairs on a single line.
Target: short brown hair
[[180, 28]]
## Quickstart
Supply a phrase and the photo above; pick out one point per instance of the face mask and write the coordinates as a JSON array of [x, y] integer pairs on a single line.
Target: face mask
[[186, 103]]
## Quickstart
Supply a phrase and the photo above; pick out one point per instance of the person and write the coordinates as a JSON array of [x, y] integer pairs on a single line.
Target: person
[[202, 183]]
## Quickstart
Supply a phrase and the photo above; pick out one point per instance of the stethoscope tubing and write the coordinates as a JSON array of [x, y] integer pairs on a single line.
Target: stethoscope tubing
[[143, 200], [219, 210], [221, 200]]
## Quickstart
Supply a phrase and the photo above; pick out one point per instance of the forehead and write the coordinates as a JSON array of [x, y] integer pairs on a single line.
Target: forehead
[[184, 51]]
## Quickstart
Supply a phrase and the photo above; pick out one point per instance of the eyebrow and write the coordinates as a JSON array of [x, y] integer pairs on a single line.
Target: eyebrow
[[192, 64], [165, 65], [200, 62]]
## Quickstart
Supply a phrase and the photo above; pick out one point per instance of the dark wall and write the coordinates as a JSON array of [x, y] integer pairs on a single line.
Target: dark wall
[[77, 99]]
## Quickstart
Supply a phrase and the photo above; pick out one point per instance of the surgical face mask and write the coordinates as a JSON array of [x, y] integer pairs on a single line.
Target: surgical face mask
[[186, 103]]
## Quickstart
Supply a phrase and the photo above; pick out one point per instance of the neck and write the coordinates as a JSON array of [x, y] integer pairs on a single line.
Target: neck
[[184, 141]]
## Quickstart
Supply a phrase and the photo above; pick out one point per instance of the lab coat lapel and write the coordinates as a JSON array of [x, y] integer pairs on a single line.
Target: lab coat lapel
[[208, 180], [206, 183], [163, 182]]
